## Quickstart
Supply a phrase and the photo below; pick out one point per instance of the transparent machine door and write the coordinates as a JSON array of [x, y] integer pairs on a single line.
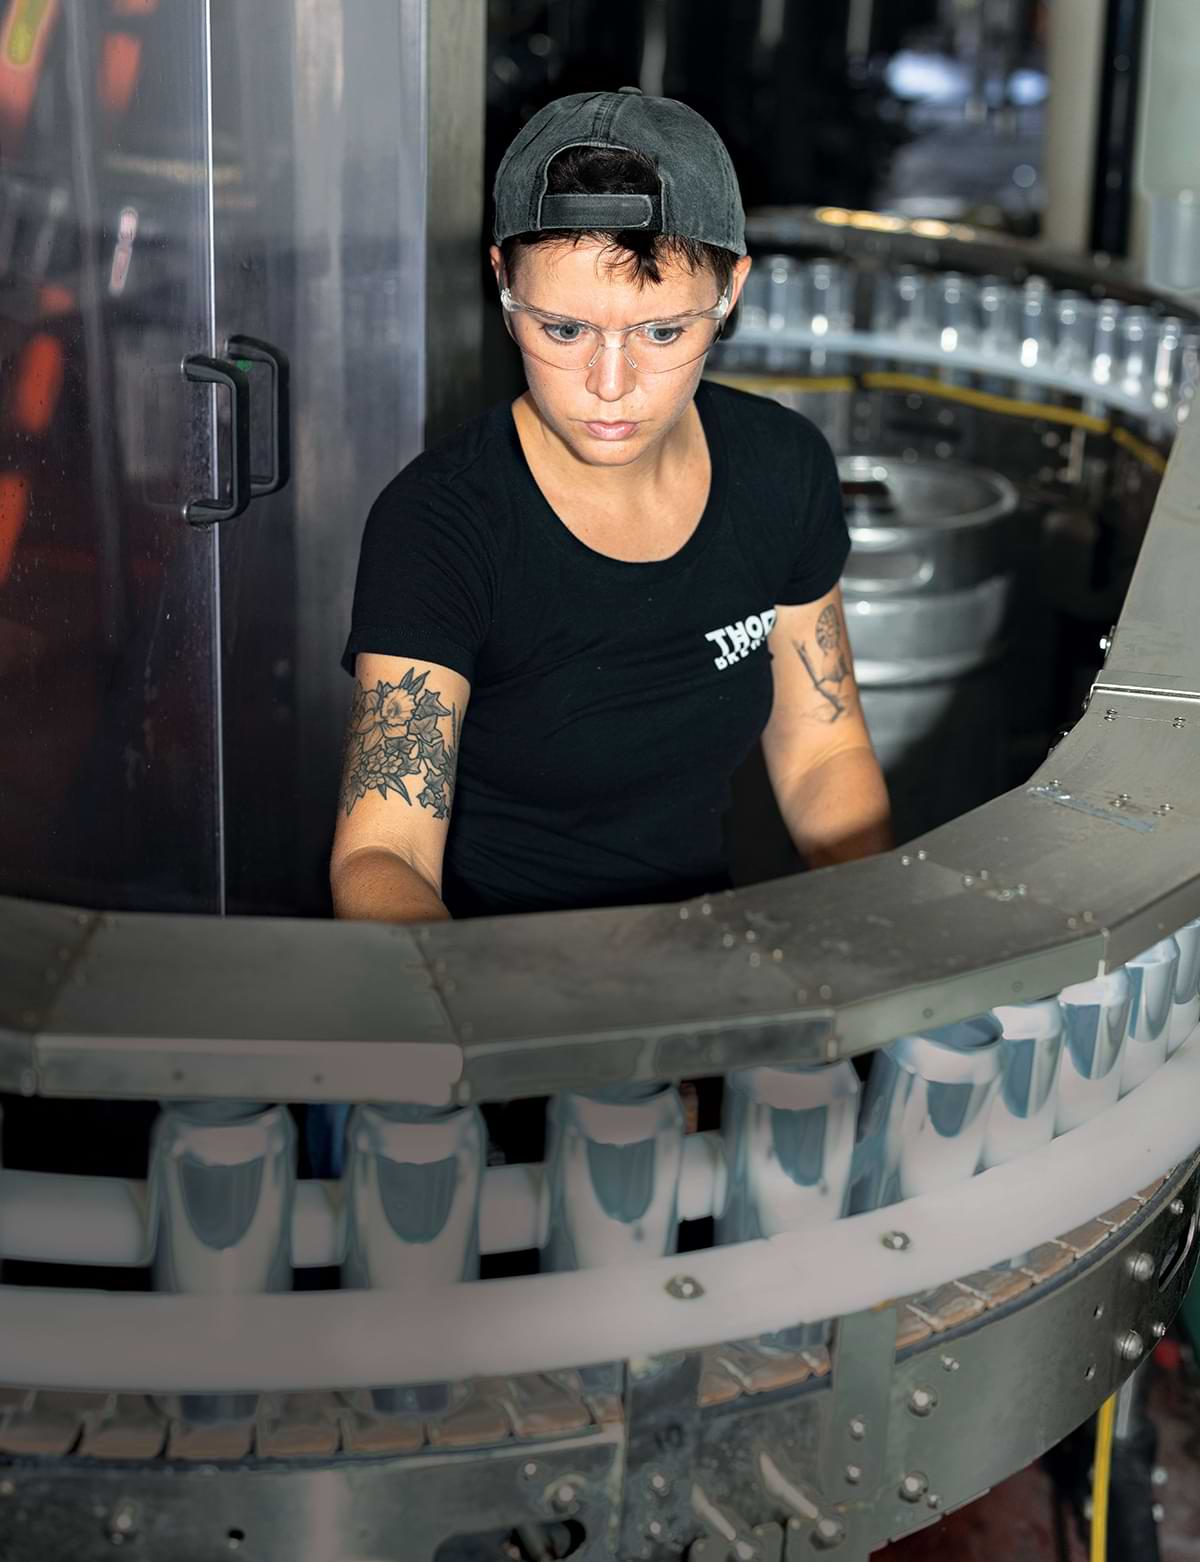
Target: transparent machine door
[[113, 463]]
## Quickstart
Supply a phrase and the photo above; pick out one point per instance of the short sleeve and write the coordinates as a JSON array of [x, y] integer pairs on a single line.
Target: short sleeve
[[823, 538], [424, 587]]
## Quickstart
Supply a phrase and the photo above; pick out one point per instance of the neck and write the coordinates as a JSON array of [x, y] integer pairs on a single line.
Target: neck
[[614, 485]]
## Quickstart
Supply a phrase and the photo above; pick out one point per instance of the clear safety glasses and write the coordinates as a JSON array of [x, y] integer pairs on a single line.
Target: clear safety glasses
[[650, 346]]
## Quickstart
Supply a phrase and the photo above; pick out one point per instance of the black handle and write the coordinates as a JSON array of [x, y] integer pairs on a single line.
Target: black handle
[[246, 350], [202, 370]]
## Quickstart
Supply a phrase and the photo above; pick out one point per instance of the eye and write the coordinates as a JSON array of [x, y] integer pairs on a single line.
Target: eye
[[565, 331], [662, 334]]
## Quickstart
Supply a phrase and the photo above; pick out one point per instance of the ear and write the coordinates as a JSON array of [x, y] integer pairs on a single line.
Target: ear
[[740, 272], [497, 261]]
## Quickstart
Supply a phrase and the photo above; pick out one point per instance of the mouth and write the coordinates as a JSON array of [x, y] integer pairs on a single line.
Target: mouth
[[622, 430]]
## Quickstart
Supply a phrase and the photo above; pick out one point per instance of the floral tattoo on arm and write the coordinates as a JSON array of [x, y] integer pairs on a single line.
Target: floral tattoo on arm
[[394, 740], [828, 665]]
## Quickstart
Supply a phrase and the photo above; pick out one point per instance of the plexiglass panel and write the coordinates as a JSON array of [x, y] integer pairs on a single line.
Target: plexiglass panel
[[109, 754]]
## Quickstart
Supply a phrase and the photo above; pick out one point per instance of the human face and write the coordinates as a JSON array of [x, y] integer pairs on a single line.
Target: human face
[[608, 414]]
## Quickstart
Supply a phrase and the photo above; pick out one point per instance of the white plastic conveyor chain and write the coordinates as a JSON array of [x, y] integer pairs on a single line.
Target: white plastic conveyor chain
[[56, 1218], [340, 1339]]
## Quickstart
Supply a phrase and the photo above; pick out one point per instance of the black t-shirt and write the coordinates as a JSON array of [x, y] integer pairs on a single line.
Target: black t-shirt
[[611, 702]]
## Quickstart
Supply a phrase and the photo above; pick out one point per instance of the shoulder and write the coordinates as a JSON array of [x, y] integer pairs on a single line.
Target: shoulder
[[764, 424], [458, 477]]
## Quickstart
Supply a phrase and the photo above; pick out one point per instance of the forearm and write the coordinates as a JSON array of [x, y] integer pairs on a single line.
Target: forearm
[[838, 810], [374, 884]]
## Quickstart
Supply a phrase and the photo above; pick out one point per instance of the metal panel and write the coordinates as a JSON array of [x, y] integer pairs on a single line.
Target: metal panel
[[349, 150], [107, 666]]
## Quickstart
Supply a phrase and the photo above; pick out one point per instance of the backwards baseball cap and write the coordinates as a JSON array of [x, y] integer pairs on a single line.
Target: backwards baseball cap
[[698, 196]]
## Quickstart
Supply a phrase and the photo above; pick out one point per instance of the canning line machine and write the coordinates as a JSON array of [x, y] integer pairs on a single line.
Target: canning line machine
[[875, 1291]]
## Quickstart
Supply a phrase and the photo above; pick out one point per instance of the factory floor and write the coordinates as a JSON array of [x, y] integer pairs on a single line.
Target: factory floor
[[1017, 1521]]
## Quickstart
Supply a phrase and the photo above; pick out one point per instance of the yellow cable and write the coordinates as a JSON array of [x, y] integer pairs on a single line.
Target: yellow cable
[[1101, 1467], [766, 384]]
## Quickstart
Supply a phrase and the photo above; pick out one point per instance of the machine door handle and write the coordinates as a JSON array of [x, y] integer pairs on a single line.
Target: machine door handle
[[245, 350], [202, 370]]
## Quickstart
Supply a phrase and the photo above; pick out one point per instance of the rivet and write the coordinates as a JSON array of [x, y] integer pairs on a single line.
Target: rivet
[[755, 957], [1157, 1512], [922, 854], [934, 1500], [705, 908], [968, 879], [922, 1401], [826, 992], [728, 940], [914, 1486], [1158, 1330], [1130, 1347], [563, 1495], [1110, 715], [1176, 1206], [684, 1287], [529, 1470], [905, 860], [777, 954], [858, 1428], [684, 913], [949, 1363], [854, 1474], [659, 1484], [898, 1241], [654, 1527], [751, 936]]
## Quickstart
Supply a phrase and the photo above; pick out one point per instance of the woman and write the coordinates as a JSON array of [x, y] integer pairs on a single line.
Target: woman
[[576, 615]]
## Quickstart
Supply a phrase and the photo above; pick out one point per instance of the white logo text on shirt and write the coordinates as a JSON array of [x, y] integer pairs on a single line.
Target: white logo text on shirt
[[737, 640]]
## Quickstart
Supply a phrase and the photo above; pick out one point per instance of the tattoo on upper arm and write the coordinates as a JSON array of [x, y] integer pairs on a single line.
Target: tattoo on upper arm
[[394, 733], [828, 665]]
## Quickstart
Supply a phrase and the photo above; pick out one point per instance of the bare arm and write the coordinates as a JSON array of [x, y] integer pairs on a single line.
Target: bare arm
[[397, 790], [823, 769]]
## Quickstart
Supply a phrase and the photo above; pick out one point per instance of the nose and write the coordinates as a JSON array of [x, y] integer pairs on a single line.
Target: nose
[[611, 377]]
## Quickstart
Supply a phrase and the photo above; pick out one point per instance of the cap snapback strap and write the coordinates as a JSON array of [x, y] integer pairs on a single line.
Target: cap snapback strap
[[595, 212]]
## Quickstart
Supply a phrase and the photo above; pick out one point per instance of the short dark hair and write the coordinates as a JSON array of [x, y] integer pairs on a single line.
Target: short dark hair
[[602, 170]]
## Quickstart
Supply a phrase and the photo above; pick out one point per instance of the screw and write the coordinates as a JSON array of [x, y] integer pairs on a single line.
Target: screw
[[1129, 1346], [858, 1428], [898, 1241], [1140, 1266], [950, 1363], [684, 1287], [922, 1401], [1179, 723], [1176, 1206], [914, 1486]]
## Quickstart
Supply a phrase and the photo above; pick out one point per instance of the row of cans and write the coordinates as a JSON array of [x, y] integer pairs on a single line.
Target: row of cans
[[802, 1146], [1150, 358]]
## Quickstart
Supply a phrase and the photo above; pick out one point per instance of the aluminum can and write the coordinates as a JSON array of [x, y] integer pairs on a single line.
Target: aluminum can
[[1185, 1008], [1095, 1018], [1022, 1115], [1151, 995], [613, 1161], [925, 1112], [789, 1139], [221, 1186], [414, 1176]]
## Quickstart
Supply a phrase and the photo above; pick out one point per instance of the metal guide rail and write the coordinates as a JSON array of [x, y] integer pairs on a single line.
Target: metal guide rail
[[752, 1449]]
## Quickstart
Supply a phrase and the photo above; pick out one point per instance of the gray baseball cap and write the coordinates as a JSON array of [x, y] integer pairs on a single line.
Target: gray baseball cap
[[698, 191]]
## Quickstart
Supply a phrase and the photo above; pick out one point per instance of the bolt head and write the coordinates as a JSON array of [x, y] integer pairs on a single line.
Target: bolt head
[[858, 1428], [1157, 1512], [1158, 1330], [659, 1484], [853, 1474], [828, 1533], [914, 1486], [950, 1364], [564, 1495], [1176, 1206], [684, 1288], [1140, 1266], [922, 1401], [1130, 1346], [897, 1241], [529, 1470]]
